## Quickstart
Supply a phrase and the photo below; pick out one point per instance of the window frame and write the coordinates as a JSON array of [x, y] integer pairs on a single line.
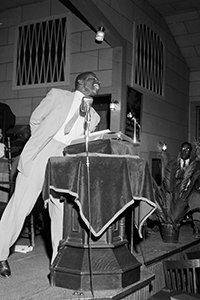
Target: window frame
[[15, 86], [134, 63]]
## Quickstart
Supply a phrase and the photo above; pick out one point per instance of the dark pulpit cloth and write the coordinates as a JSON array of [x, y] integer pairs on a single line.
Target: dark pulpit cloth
[[116, 182]]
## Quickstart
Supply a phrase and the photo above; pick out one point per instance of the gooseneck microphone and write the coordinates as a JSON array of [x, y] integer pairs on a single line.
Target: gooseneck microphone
[[85, 105]]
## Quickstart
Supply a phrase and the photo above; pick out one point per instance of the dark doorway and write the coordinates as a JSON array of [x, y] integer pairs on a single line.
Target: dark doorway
[[102, 105], [134, 108], [157, 170]]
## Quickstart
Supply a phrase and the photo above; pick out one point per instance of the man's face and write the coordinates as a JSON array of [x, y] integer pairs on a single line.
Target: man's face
[[185, 151], [90, 86]]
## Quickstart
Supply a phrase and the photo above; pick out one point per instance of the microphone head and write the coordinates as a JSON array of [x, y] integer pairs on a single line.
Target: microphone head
[[88, 101], [85, 105]]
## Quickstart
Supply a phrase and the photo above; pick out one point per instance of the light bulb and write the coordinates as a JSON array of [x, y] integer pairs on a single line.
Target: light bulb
[[100, 35]]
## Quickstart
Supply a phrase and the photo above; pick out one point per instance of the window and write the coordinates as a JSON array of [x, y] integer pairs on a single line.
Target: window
[[40, 50], [149, 60]]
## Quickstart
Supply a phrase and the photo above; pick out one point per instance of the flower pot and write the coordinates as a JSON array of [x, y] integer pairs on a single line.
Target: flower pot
[[169, 233]]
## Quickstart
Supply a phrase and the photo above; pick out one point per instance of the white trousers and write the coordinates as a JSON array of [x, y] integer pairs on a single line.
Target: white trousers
[[27, 190]]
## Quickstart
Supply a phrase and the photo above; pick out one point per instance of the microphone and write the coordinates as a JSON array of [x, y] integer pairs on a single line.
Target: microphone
[[85, 105]]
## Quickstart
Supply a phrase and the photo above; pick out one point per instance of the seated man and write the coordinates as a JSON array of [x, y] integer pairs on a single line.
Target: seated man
[[184, 161], [2, 146], [16, 148], [17, 145]]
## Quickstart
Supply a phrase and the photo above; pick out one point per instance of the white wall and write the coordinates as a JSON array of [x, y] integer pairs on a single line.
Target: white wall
[[163, 118]]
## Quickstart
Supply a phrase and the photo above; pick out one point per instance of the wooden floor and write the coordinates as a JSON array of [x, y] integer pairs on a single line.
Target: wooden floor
[[150, 252], [151, 248], [30, 271]]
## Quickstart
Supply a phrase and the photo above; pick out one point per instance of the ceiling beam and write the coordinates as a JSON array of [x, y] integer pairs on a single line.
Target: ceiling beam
[[89, 13]]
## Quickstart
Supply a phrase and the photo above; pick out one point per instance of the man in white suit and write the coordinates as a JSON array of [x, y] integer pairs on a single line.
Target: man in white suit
[[54, 123]]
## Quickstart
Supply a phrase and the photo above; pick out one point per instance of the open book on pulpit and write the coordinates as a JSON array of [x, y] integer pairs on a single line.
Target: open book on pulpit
[[103, 141], [102, 134]]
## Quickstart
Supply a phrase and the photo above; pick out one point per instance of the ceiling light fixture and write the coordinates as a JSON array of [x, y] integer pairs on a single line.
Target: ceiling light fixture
[[162, 146], [100, 35]]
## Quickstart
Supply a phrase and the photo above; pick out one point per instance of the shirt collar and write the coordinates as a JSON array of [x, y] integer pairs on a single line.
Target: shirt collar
[[187, 162], [79, 95]]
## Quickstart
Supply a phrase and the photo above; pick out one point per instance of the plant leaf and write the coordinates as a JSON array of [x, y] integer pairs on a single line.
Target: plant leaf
[[187, 175], [172, 196], [169, 180]]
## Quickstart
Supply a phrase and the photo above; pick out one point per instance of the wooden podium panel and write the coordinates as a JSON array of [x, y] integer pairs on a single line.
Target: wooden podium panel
[[105, 262]]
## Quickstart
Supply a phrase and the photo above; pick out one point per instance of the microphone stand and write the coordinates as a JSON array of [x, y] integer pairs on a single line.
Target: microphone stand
[[135, 128], [86, 129], [132, 118]]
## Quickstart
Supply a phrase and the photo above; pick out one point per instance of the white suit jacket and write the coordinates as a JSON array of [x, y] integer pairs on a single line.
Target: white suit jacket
[[45, 121]]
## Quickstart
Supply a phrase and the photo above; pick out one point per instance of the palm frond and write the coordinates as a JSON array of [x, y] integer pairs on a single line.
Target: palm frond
[[172, 196], [178, 209], [160, 202], [187, 175], [169, 180], [193, 180]]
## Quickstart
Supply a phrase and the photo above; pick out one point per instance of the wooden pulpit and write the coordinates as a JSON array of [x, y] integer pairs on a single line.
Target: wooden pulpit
[[82, 260], [94, 247]]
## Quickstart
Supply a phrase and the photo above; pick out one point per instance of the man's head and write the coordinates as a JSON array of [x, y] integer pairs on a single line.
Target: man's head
[[185, 150], [24, 133], [87, 83]]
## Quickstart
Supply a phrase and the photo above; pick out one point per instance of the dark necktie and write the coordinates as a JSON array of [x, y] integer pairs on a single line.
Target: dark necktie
[[71, 122]]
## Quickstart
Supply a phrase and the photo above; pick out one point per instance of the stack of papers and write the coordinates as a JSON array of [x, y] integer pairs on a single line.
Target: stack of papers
[[23, 248], [103, 134]]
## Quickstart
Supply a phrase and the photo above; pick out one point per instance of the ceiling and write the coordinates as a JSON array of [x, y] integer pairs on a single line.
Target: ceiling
[[182, 17], [8, 4]]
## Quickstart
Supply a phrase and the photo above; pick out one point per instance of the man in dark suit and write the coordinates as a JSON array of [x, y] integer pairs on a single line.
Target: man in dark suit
[[185, 162], [184, 158]]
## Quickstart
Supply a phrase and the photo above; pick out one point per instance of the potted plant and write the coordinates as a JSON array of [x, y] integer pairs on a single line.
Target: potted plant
[[171, 198]]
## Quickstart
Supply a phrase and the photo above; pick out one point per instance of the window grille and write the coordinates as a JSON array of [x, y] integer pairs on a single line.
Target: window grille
[[40, 53], [149, 60]]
